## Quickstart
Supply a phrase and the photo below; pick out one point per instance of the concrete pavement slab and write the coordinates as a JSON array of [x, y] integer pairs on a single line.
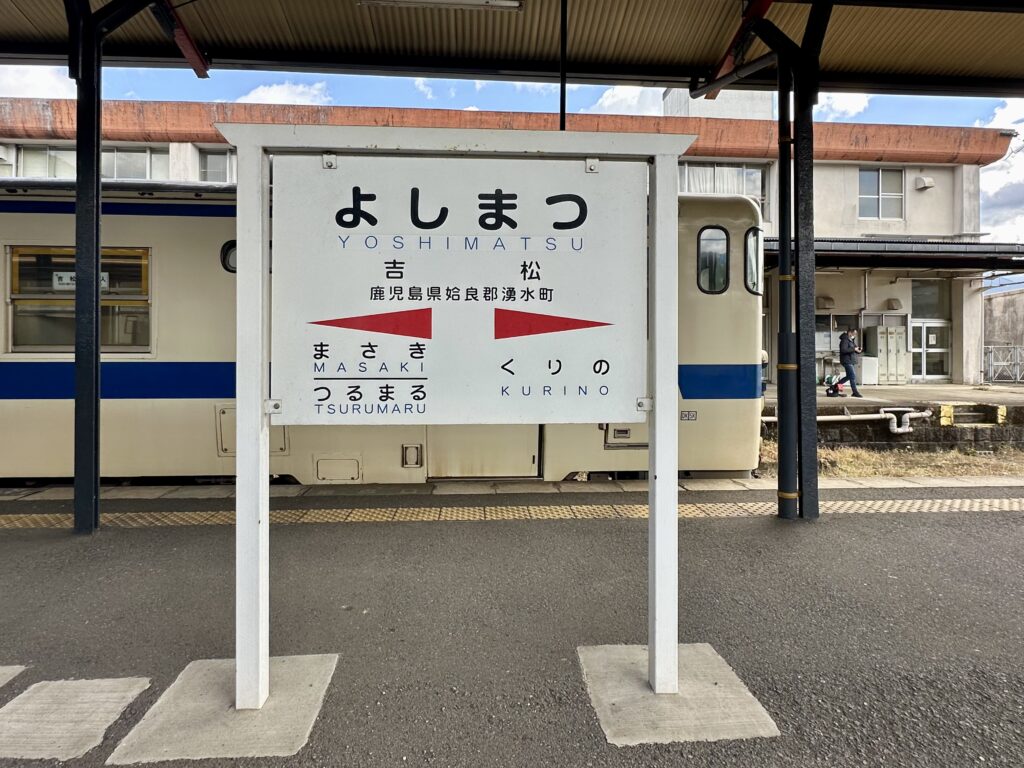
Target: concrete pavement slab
[[196, 718], [939, 482], [456, 487], [633, 485], [838, 482], [58, 493], [200, 492], [711, 484], [712, 703], [573, 486], [10, 494], [9, 673], [64, 719], [287, 491], [525, 486], [756, 483], [993, 481], [135, 491], [889, 482]]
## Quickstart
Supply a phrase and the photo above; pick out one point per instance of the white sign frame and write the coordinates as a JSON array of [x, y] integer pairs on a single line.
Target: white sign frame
[[520, 323], [255, 144]]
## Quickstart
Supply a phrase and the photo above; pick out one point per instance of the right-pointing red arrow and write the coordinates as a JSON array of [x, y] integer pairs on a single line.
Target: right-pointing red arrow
[[509, 323]]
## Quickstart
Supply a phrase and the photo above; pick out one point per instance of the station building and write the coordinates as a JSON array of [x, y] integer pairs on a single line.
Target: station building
[[894, 205], [897, 208]]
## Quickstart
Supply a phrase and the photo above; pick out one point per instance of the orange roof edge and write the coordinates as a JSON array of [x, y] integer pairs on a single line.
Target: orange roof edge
[[184, 121]]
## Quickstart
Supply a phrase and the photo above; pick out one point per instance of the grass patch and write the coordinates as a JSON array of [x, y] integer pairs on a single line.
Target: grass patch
[[851, 461]]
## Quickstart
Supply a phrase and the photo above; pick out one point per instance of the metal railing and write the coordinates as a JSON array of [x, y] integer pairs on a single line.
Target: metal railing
[[1004, 364]]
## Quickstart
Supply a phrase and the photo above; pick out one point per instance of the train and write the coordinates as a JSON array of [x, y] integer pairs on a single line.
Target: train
[[168, 374]]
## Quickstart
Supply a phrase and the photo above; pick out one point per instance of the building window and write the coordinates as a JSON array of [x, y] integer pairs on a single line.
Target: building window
[[713, 260], [726, 179], [116, 163], [753, 260], [931, 299], [217, 167], [43, 299], [36, 162], [881, 193], [135, 163]]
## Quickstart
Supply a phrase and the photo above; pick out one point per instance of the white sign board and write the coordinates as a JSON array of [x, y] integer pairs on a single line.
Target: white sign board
[[457, 290], [65, 281]]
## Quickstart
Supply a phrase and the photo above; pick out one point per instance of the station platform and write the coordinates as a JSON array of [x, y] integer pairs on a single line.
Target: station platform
[[869, 638], [451, 501], [918, 395]]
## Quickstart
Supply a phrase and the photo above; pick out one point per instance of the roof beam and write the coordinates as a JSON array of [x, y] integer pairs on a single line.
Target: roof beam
[[167, 17], [754, 12], [983, 6]]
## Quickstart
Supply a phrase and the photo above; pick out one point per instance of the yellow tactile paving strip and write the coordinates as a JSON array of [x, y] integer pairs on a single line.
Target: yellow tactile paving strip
[[511, 512]]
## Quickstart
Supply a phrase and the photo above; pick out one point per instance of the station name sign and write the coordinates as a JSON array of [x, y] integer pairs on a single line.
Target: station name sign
[[458, 290]]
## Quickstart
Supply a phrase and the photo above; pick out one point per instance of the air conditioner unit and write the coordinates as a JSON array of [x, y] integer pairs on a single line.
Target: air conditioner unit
[[824, 302]]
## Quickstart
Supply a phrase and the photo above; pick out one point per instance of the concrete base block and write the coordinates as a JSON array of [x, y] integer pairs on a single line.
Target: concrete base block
[[63, 719], [196, 717], [9, 673], [712, 702]]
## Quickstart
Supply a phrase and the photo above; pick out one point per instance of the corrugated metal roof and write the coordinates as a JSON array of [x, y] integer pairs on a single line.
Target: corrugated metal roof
[[646, 41]]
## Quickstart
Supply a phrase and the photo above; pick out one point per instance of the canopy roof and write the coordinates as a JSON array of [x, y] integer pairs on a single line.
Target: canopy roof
[[910, 46]]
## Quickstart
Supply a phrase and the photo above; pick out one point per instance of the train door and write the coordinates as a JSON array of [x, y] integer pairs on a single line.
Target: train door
[[483, 450]]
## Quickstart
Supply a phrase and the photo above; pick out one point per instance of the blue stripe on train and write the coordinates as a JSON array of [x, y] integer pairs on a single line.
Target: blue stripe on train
[[121, 208], [216, 380], [119, 381], [720, 382]]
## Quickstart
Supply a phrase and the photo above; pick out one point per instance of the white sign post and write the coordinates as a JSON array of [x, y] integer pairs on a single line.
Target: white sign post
[[426, 276]]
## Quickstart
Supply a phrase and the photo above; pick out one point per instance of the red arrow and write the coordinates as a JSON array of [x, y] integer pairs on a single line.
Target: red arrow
[[509, 323], [411, 322]]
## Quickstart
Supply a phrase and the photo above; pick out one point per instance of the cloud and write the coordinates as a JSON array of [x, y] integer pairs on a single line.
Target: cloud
[[421, 85], [288, 93], [1002, 183], [834, 107], [471, 109], [36, 82], [545, 88], [628, 100], [479, 84]]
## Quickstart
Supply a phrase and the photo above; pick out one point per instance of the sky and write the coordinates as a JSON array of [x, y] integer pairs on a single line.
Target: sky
[[1002, 183]]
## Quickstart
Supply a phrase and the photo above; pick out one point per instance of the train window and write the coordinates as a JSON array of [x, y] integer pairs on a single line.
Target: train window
[[713, 260], [753, 259], [43, 299]]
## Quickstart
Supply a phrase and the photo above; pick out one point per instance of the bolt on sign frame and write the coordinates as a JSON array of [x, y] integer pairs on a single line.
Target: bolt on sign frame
[[256, 144]]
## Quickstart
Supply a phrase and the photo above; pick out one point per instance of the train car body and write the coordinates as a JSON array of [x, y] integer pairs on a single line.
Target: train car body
[[168, 362]]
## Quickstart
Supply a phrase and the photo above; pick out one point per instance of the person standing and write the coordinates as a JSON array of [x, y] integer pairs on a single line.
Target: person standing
[[849, 354]]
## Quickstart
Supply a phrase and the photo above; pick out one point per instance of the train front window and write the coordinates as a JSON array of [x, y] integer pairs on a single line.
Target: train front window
[[713, 260], [43, 299], [753, 258]]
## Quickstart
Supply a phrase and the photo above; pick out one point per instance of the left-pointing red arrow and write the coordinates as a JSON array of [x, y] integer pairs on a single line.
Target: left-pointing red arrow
[[412, 322]]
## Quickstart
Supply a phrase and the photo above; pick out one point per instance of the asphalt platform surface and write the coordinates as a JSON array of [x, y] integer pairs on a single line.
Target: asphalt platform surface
[[872, 640]]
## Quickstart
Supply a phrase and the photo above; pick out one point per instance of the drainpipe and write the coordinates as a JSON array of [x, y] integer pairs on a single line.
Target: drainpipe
[[899, 418]]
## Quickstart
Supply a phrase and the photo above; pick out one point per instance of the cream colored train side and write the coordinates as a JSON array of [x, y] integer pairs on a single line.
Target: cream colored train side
[[168, 408]]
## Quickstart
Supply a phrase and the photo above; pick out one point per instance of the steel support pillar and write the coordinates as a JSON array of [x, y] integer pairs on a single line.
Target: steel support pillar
[[786, 370], [87, 275], [563, 52], [252, 463], [805, 97], [663, 455]]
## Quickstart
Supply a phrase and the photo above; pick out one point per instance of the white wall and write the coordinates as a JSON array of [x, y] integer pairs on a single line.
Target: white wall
[[927, 212], [738, 105]]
